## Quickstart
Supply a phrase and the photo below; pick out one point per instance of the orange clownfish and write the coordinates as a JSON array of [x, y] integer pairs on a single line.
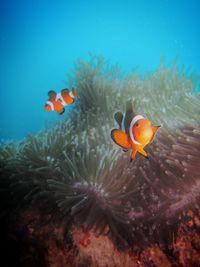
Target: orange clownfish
[[135, 132], [57, 102]]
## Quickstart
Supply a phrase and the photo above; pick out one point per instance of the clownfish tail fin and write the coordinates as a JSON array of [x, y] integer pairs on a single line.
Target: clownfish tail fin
[[74, 92], [119, 118], [120, 138]]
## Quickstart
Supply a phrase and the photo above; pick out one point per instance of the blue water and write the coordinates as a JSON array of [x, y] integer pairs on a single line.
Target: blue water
[[41, 40]]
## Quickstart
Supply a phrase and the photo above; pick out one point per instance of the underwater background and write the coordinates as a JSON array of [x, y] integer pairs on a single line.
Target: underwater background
[[69, 195], [41, 40]]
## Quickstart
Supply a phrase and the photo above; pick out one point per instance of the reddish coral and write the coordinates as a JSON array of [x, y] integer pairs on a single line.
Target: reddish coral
[[55, 247]]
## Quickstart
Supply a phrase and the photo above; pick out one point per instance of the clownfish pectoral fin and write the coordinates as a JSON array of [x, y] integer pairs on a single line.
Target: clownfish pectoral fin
[[120, 138], [119, 118], [142, 152], [155, 128], [47, 108], [61, 112], [52, 95], [134, 151]]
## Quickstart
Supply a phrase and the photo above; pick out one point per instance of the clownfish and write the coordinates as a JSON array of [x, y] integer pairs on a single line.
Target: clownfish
[[57, 102], [135, 132]]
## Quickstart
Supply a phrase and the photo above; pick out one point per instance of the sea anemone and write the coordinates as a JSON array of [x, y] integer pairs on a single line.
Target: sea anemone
[[78, 174]]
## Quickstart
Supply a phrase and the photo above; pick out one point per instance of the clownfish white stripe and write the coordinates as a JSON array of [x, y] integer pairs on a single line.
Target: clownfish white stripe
[[71, 94], [59, 96], [123, 122], [50, 104], [134, 120]]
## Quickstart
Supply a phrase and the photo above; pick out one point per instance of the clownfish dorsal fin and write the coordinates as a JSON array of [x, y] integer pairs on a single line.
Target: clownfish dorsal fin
[[128, 115], [119, 118], [52, 95], [65, 91], [120, 138]]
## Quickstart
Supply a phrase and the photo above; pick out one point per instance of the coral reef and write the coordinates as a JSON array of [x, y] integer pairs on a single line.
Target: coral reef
[[42, 244], [75, 179]]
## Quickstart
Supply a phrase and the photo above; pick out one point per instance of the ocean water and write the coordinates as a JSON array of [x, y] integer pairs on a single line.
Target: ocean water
[[41, 40]]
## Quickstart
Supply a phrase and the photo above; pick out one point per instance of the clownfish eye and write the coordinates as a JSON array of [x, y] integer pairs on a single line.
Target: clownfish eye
[[137, 124]]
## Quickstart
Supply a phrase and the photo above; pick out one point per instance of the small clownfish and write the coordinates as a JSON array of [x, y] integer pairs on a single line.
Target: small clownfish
[[57, 102], [135, 132]]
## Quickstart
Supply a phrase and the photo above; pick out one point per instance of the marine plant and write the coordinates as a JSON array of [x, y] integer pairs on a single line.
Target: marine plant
[[76, 169]]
